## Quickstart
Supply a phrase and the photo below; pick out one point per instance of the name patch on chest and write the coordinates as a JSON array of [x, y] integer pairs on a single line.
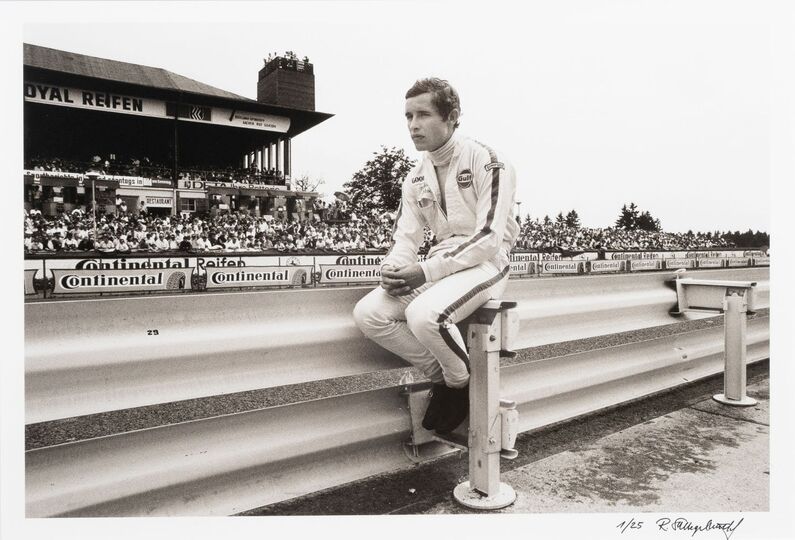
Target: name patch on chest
[[417, 179], [495, 165], [464, 179]]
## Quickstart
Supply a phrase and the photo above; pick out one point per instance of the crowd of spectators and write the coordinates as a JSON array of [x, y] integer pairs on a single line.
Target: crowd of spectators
[[229, 232], [239, 231], [537, 235], [234, 176], [146, 168], [288, 60], [336, 210], [111, 165]]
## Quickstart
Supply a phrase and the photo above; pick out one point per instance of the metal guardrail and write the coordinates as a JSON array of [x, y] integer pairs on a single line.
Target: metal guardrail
[[228, 464], [90, 356]]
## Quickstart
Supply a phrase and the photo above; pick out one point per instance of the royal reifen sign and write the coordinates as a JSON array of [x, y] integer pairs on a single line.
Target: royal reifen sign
[[66, 96], [82, 98], [116, 281], [259, 276]]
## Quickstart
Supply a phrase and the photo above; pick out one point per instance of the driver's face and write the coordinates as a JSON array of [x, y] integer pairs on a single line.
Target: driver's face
[[428, 129]]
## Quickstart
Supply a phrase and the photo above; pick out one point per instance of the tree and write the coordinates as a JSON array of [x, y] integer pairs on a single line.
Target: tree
[[748, 239], [377, 186], [572, 219], [647, 223], [304, 183], [559, 219], [632, 219], [527, 220], [628, 218], [547, 221]]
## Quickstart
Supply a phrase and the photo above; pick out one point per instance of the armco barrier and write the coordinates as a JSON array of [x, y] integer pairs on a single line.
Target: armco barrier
[[228, 464], [90, 356]]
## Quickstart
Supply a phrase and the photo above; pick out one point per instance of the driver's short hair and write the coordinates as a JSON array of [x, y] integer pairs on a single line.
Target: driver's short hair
[[443, 95]]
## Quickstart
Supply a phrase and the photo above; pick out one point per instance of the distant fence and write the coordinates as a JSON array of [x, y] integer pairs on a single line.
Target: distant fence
[[79, 273]]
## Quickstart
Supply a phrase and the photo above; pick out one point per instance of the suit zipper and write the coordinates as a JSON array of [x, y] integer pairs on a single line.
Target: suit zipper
[[441, 210]]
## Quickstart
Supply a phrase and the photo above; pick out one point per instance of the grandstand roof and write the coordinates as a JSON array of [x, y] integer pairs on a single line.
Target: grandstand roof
[[113, 70], [54, 63]]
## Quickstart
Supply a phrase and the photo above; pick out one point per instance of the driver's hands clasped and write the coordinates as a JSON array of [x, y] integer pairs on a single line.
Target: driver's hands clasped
[[401, 280]]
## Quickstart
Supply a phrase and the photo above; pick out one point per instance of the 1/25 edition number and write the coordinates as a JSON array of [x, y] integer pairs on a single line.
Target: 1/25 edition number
[[627, 525]]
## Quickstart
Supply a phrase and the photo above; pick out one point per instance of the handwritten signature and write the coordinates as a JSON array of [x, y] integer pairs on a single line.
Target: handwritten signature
[[682, 524]]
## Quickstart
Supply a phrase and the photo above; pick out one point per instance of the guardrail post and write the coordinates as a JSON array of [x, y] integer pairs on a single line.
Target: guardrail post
[[735, 307], [734, 299], [487, 336]]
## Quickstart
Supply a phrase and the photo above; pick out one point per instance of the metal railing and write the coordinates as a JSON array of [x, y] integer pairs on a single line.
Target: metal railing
[[228, 464], [88, 356]]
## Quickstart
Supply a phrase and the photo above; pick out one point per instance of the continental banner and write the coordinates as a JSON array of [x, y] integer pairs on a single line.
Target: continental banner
[[672, 264], [704, 254], [524, 257], [606, 266], [561, 267], [538, 256], [363, 259], [29, 275], [523, 268], [761, 261], [121, 262], [710, 263], [349, 273], [735, 262], [643, 264], [258, 276], [105, 281]]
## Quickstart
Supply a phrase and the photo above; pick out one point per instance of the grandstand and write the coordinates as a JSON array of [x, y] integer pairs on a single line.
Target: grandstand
[[99, 130]]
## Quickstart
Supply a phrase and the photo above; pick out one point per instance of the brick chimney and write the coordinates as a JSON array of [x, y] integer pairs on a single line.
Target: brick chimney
[[287, 81]]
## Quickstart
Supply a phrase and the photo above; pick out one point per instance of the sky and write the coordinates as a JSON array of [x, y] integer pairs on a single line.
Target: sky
[[597, 104]]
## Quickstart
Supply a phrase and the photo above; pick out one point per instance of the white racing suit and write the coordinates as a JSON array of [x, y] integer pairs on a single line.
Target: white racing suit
[[468, 266]]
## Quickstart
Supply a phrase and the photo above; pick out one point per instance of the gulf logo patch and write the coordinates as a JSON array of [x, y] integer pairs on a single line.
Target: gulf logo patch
[[464, 179]]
